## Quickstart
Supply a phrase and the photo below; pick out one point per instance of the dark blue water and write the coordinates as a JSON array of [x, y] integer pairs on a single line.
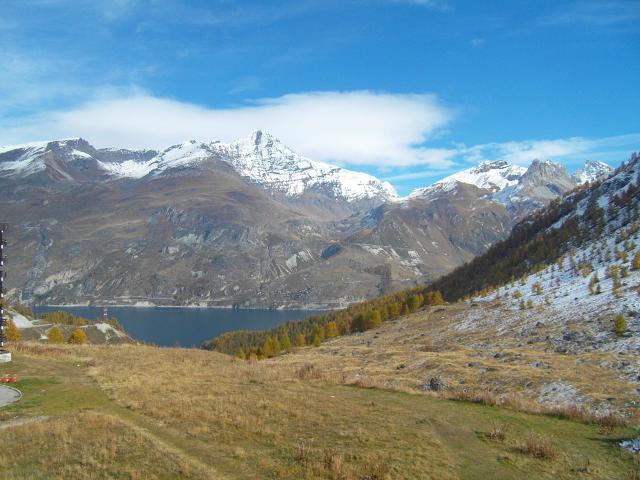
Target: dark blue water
[[185, 327]]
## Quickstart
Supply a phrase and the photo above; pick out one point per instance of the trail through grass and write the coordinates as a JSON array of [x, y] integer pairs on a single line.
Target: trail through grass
[[142, 412]]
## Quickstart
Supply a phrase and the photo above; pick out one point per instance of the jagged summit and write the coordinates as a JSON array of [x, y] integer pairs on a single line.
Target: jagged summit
[[264, 159], [517, 187], [543, 181], [593, 170]]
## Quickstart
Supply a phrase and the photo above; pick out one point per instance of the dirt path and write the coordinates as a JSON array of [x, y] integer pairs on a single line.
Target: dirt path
[[164, 440]]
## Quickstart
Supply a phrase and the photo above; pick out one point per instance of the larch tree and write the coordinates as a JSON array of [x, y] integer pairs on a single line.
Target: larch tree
[[331, 329], [78, 337], [12, 332], [285, 342], [55, 335]]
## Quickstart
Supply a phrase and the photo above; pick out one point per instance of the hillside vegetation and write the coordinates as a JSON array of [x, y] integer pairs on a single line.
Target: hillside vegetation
[[583, 217], [143, 412]]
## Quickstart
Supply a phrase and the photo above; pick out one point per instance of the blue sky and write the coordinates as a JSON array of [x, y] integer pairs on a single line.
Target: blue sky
[[409, 90]]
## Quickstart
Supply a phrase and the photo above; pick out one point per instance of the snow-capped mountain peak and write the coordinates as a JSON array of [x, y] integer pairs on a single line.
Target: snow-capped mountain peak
[[264, 159], [261, 158], [593, 170], [492, 176]]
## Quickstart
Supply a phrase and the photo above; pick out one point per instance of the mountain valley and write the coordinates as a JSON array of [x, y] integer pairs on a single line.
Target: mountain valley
[[245, 224]]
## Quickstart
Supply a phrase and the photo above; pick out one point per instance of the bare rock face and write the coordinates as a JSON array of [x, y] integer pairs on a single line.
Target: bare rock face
[[247, 224], [544, 181]]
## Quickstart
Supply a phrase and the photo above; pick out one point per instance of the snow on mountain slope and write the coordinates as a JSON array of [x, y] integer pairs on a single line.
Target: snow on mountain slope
[[25, 159], [593, 280], [28, 159], [128, 168], [593, 170], [267, 161], [261, 158], [27, 146], [491, 176], [518, 188]]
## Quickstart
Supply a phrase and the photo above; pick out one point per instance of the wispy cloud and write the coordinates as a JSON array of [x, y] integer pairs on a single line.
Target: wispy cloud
[[245, 84], [572, 152], [594, 13], [568, 150], [356, 128], [433, 4]]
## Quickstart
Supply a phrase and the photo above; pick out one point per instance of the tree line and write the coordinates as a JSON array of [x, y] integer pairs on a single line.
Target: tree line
[[536, 242], [315, 329]]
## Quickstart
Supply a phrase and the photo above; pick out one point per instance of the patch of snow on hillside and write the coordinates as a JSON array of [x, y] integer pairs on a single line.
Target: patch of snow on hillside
[[108, 330], [20, 320], [564, 293], [128, 168], [27, 163], [23, 146], [374, 249], [80, 154]]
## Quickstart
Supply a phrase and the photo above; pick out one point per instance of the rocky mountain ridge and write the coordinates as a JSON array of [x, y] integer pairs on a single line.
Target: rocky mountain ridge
[[248, 224], [261, 158]]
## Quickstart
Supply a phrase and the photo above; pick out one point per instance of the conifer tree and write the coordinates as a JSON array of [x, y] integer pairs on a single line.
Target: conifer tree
[[55, 335], [358, 323], [12, 332], [413, 303], [437, 298], [78, 337], [285, 342], [331, 329], [268, 349], [374, 320], [620, 325], [300, 340]]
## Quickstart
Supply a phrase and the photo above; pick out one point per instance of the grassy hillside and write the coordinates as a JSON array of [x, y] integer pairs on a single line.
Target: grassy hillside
[[143, 412]]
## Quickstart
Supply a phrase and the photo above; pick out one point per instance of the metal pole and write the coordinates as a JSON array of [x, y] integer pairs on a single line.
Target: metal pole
[[3, 322]]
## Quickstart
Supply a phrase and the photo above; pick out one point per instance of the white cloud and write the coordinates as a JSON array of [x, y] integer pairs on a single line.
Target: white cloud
[[567, 150], [594, 13], [357, 128], [572, 152]]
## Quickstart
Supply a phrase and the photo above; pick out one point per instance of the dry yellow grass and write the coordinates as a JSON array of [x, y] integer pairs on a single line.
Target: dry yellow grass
[[497, 364], [85, 446], [211, 416]]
